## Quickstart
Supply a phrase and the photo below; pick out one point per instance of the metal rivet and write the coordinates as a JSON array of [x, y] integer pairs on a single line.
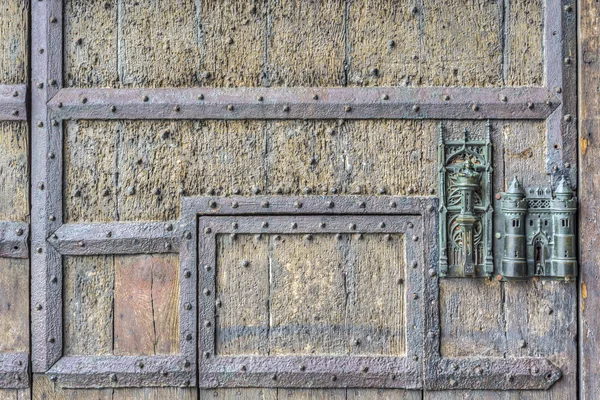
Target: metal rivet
[[316, 97], [286, 108], [303, 368], [568, 8], [187, 235], [130, 191], [362, 204], [260, 98], [453, 383], [352, 226], [53, 278], [15, 112], [51, 340], [207, 267], [243, 368], [212, 204], [432, 272], [207, 230], [330, 204], [567, 165], [81, 243], [84, 100], [416, 108], [415, 358], [386, 97], [549, 103], [52, 82], [347, 108], [207, 324], [446, 97], [274, 377], [415, 296], [53, 20], [19, 232], [534, 370], [308, 237], [387, 237], [265, 224], [294, 225], [188, 337], [414, 264], [382, 225], [40, 124], [256, 190], [297, 204], [234, 204], [498, 235], [187, 273], [410, 226], [530, 105], [52, 218], [265, 204], [430, 208], [108, 234], [176, 108], [245, 263], [365, 369], [475, 107], [53, 378], [40, 85], [169, 227], [113, 377], [187, 306], [201, 97], [503, 98], [145, 99], [156, 191], [568, 117], [38, 307], [229, 107], [392, 204], [567, 60], [522, 344], [139, 364], [322, 225]]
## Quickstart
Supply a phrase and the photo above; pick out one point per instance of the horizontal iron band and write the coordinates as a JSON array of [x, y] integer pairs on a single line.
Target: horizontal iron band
[[305, 103]]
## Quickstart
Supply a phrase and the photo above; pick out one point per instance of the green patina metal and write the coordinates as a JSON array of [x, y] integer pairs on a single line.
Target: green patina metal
[[465, 230], [539, 232]]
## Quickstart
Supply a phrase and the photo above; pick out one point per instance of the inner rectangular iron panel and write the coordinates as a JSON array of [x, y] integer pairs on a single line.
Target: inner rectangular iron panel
[[319, 370]]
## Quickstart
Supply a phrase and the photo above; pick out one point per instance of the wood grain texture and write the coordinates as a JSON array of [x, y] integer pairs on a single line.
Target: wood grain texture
[[15, 394], [90, 43], [242, 289], [376, 310], [238, 394], [146, 306], [306, 43], [523, 35], [14, 171], [461, 43], [14, 305], [589, 203], [88, 292], [44, 389], [157, 43], [90, 173], [14, 28], [383, 394], [232, 39], [384, 43]]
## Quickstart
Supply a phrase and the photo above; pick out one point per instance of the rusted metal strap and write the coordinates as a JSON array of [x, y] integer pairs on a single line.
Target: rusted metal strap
[[526, 373], [14, 370], [305, 103], [117, 238], [14, 237], [13, 106], [123, 371]]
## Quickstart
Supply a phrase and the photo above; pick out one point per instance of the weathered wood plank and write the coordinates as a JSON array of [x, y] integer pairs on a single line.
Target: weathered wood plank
[[308, 296], [88, 292], [376, 310], [146, 305], [157, 43], [306, 43], [14, 305], [232, 42], [461, 43], [238, 394], [383, 394], [14, 171], [44, 389], [90, 174], [471, 318], [90, 44], [242, 289], [383, 44], [589, 203], [148, 165], [311, 394], [14, 28], [524, 52]]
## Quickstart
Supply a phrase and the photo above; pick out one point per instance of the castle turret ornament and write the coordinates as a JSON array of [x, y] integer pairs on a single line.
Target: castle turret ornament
[[539, 232]]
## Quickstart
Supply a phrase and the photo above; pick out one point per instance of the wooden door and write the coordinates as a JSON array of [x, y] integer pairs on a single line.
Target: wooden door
[[254, 199]]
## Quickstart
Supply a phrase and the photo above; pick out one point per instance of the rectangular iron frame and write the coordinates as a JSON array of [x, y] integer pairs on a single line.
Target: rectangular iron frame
[[555, 102]]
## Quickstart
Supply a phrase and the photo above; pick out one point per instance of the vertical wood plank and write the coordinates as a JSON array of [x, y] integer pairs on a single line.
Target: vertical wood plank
[[14, 28], [308, 296], [383, 394], [384, 43], [88, 292], [14, 305], [376, 310], [146, 305], [306, 43], [14, 176], [90, 43], [90, 175], [232, 38], [157, 43], [311, 394], [461, 43], [149, 167], [242, 291], [589, 203], [524, 53]]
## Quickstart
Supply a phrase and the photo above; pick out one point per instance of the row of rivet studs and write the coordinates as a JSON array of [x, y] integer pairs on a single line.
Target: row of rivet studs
[[299, 204]]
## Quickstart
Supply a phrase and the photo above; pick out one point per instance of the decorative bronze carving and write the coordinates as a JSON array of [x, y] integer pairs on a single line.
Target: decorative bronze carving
[[539, 232], [465, 205]]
